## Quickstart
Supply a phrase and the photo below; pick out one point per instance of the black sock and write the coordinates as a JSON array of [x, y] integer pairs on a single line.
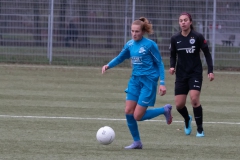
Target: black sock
[[198, 114], [184, 113]]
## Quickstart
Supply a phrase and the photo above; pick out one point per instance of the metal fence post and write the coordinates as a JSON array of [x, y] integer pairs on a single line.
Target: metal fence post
[[50, 30], [214, 31]]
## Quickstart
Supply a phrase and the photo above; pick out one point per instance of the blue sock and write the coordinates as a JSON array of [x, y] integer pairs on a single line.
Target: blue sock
[[133, 127], [151, 113]]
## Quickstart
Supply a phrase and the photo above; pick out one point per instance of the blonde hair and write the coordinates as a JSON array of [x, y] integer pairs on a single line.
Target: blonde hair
[[146, 26]]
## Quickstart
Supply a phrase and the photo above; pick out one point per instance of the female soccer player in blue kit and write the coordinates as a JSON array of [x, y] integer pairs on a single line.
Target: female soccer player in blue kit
[[185, 57], [147, 67]]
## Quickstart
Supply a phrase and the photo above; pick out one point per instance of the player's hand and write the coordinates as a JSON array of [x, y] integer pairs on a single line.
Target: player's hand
[[171, 71], [211, 76], [162, 90], [104, 68]]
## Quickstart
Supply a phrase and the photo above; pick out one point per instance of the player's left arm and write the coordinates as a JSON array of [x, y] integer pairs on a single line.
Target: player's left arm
[[204, 47], [158, 60]]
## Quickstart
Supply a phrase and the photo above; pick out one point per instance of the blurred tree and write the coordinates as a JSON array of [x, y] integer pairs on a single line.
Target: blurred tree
[[84, 20], [109, 22], [62, 20], [165, 31], [1, 19], [37, 24]]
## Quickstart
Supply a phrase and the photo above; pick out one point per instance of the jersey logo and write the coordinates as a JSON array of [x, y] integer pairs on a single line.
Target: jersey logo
[[192, 40], [141, 50], [136, 60], [179, 42], [188, 50]]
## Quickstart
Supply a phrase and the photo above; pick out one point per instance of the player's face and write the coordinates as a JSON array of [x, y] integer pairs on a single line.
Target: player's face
[[136, 32], [184, 22]]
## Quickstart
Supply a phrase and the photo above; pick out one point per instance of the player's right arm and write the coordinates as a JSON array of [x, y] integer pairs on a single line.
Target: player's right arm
[[124, 54], [173, 57], [104, 68]]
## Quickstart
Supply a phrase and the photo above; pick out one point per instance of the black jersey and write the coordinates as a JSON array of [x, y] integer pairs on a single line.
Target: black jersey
[[186, 51]]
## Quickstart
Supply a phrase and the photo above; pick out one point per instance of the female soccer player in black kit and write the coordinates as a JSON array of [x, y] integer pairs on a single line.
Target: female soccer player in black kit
[[185, 57]]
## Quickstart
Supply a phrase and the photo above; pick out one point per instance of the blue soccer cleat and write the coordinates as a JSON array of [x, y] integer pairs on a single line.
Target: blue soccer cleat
[[135, 145], [167, 114], [188, 130], [200, 134]]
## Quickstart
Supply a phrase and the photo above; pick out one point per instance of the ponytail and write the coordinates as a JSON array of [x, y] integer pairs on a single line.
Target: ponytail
[[145, 25]]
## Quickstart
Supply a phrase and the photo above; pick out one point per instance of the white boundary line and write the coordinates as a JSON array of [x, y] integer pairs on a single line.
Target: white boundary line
[[103, 119], [83, 67]]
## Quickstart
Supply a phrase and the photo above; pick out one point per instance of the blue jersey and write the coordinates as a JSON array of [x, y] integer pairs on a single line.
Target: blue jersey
[[145, 59]]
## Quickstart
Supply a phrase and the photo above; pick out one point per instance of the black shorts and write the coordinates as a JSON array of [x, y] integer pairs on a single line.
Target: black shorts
[[183, 86]]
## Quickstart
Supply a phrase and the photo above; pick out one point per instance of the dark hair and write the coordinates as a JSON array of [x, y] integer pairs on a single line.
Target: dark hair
[[145, 25], [190, 18]]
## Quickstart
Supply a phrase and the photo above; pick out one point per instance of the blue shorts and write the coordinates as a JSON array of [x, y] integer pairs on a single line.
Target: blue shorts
[[142, 90]]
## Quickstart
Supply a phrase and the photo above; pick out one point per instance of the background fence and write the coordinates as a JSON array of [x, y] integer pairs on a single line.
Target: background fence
[[91, 32]]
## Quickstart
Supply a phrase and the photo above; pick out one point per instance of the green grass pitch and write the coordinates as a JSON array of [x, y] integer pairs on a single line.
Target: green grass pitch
[[54, 112]]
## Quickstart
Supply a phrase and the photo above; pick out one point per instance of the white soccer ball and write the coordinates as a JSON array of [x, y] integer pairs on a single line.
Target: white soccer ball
[[105, 135]]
